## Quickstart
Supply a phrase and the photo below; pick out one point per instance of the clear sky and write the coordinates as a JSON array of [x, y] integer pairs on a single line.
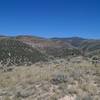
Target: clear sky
[[50, 18]]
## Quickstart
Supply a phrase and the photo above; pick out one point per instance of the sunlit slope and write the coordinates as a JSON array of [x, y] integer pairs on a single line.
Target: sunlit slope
[[13, 52]]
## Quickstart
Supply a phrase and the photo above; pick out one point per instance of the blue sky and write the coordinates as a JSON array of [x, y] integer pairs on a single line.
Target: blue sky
[[50, 18]]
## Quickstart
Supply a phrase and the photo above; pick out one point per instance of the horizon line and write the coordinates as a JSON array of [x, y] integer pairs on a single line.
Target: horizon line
[[31, 35]]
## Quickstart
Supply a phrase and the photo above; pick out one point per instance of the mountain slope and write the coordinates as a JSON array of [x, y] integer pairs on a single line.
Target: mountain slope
[[14, 52], [74, 41], [50, 47], [88, 47], [91, 47], [56, 47]]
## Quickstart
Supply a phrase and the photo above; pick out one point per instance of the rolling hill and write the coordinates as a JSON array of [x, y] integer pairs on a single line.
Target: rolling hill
[[52, 47], [21, 50], [14, 52], [62, 47], [88, 47]]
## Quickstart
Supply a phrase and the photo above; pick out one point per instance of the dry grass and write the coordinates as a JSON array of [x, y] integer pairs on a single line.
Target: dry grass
[[75, 79]]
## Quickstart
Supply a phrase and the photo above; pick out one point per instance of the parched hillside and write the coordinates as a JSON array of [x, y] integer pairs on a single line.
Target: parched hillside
[[42, 42], [91, 47], [52, 47], [74, 41], [63, 52], [74, 78], [29, 49], [14, 52], [88, 47]]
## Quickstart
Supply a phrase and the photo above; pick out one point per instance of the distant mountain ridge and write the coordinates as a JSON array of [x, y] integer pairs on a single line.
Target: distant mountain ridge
[[87, 46], [43, 48]]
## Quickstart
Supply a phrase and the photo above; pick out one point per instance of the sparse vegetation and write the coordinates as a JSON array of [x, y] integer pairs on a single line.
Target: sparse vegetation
[[68, 74], [63, 52], [13, 52], [80, 80]]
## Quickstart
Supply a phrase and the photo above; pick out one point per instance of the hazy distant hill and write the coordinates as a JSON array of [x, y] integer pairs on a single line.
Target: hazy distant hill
[[89, 47], [75, 41], [62, 47], [52, 47]]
